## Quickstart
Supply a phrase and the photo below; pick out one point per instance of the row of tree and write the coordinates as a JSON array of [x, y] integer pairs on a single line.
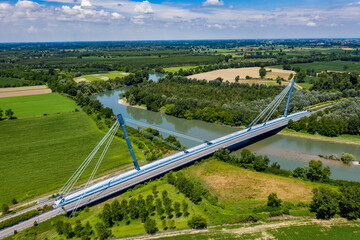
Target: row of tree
[[343, 118], [326, 203]]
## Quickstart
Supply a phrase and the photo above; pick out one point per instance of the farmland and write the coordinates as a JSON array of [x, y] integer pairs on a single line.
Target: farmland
[[42, 152], [253, 72], [175, 69], [340, 66], [35, 105]]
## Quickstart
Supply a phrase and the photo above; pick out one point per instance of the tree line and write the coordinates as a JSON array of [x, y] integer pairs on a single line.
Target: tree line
[[343, 118]]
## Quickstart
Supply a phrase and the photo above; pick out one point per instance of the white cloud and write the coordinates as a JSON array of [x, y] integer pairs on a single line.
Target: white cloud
[[116, 15], [27, 4], [218, 26], [139, 20], [32, 29], [85, 3], [311, 24], [213, 3], [5, 6], [143, 7]]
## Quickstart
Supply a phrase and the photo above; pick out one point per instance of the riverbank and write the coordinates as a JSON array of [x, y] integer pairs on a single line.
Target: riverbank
[[342, 139]]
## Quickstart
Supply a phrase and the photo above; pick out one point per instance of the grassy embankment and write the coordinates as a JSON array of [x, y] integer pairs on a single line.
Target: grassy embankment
[[39, 153], [342, 139], [240, 193]]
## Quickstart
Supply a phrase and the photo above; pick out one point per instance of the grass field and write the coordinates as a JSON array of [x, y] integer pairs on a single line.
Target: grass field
[[39, 154], [101, 76], [331, 66], [236, 185], [294, 230], [175, 69], [35, 105]]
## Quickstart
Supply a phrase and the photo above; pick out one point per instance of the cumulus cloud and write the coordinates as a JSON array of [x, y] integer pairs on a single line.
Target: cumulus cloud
[[32, 29], [213, 3], [5, 6], [116, 15], [311, 24], [27, 4], [85, 3], [143, 7], [216, 25]]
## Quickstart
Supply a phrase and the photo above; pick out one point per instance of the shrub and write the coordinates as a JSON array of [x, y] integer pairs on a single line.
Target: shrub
[[14, 220], [197, 222], [273, 200]]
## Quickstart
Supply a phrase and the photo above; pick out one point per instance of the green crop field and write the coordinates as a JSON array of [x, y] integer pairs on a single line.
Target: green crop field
[[175, 69], [5, 80], [330, 66], [100, 76], [34, 105], [39, 154]]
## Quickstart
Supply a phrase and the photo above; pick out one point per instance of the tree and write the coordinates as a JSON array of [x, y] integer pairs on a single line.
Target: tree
[[279, 80], [116, 211], [107, 215], [300, 76], [273, 200], [237, 78], [185, 207], [262, 72], [150, 226], [291, 76], [177, 209], [197, 222], [102, 232], [164, 225], [67, 230], [9, 113], [86, 232], [159, 207], [316, 172], [347, 158], [59, 227], [261, 163], [299, 172], [78, 229], [349, 204], [4, 208], [325, 203], [1, 113]]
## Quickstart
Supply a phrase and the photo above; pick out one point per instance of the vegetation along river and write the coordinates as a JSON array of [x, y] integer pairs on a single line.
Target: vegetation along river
[[289, 152]]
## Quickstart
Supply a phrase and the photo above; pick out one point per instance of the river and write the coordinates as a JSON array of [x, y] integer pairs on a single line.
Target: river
[[289, 152]]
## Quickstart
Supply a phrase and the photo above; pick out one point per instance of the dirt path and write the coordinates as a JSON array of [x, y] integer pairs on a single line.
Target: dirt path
[[247, 228], [24, 91]]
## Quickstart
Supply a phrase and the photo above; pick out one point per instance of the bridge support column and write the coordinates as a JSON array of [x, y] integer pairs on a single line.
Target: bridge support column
[[289, 98], [122, 124]]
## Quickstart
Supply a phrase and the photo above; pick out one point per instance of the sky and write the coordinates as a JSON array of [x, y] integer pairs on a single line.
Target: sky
[[117, 20]]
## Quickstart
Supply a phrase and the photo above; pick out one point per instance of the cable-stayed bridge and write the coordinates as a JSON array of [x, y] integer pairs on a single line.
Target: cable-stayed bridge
[[69, 200]]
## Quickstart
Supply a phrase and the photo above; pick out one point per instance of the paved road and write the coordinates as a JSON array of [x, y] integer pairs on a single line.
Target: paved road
[[146, 176]]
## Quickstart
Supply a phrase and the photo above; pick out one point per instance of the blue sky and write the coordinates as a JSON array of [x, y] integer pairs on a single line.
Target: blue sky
[[111, 20]]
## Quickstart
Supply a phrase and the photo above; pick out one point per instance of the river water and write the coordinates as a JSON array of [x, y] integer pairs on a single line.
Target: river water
[[289, 152]]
